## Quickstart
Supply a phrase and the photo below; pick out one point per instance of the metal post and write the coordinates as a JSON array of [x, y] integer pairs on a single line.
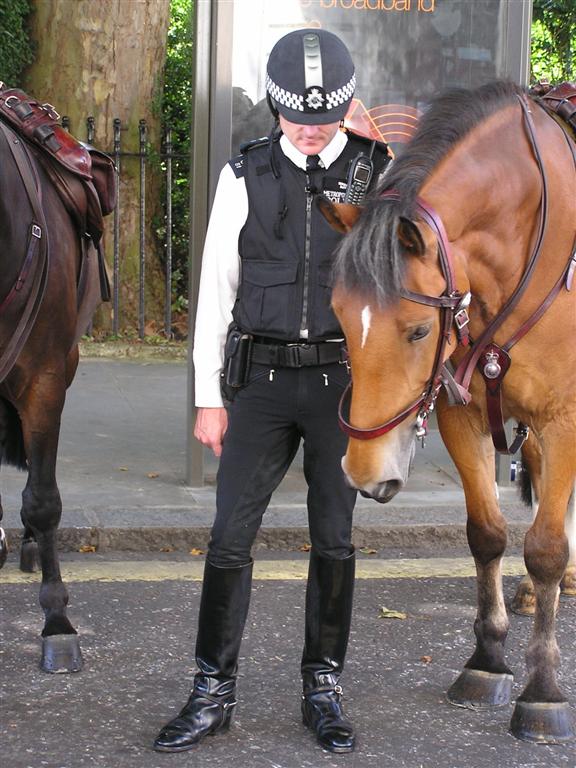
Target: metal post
[[90, 129], [142, 154], [116, 267], [168, 307], [198, 211]]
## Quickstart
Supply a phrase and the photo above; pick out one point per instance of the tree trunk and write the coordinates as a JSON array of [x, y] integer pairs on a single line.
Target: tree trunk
[[106, 59]]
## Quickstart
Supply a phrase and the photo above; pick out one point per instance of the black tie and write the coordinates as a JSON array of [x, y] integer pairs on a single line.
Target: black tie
[[312, 166], [313, 163]]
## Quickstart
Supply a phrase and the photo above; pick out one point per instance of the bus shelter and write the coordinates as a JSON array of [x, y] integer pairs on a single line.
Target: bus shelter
[[405, 52]]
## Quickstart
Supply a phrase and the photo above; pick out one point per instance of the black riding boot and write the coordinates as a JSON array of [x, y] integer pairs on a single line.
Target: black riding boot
[[223, 611], [328, 614]]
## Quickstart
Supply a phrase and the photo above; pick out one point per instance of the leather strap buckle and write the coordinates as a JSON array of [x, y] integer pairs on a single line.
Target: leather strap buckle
[[301, 355]]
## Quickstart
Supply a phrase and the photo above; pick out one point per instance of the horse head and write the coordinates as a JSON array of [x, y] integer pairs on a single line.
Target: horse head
[[387, 331]]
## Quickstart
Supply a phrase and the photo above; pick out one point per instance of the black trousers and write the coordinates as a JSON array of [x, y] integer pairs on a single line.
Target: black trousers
[[266, 422]]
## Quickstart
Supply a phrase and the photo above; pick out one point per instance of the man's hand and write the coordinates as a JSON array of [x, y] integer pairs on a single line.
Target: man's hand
[[210, 427]]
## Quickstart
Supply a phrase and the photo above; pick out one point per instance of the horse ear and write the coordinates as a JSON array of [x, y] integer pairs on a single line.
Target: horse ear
[[340, 216], [410, 237]]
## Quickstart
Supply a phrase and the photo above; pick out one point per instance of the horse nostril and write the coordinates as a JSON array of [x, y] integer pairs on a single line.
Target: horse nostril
[[388, 490]]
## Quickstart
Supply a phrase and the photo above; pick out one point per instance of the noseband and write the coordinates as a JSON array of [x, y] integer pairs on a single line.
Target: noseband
[[492, 360]]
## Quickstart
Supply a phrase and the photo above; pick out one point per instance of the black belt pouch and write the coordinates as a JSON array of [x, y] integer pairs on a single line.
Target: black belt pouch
[[237, 351]]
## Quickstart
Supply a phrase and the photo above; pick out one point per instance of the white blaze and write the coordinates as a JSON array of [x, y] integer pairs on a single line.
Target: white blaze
[[366, 320]]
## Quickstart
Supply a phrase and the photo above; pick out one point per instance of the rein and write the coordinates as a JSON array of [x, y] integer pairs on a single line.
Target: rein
[[493, 361]]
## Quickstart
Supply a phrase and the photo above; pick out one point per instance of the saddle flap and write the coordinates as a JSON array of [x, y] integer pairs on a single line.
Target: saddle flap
[[104, 178]]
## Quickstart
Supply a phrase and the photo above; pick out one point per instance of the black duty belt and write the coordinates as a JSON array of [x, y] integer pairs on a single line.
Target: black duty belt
[[298, 355]]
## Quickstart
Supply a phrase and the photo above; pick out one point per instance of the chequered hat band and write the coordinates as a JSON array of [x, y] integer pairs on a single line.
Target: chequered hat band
[[296, 101]]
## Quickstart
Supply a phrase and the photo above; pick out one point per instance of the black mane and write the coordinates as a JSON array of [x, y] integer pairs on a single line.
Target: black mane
[[370, 259]]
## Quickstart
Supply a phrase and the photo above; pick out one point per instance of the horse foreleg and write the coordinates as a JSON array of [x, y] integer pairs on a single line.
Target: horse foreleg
[[524, 601], [41, 511], [486, 680], [542, 713]]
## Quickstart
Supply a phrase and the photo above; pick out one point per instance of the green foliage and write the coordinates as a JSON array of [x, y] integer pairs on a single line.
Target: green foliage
[[16, 49], [553, 54], [177, 115]]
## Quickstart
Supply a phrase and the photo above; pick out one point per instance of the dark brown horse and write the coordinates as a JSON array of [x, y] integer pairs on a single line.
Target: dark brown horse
[[49, 287], [460, 274]]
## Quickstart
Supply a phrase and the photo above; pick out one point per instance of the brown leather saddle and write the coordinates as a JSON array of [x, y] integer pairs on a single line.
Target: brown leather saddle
[[559, 100], [84, 177], [85, 180]]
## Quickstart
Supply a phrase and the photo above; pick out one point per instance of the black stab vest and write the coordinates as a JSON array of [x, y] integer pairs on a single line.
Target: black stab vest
[[286, 245]]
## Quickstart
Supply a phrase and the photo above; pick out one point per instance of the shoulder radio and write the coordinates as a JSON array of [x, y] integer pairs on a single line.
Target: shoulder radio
[[359, 178]]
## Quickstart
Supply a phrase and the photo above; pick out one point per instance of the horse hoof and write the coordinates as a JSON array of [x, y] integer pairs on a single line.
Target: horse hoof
[[3, 547], [524, 601], [29, 558], [61, 653], [476, 689], [543, 723], [568, 583]]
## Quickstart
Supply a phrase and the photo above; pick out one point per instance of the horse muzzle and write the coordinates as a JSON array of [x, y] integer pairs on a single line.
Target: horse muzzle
[[382, 492], [380, 469]]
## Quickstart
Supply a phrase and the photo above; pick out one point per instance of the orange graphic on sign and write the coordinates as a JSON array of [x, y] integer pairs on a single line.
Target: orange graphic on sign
[[392, 123]]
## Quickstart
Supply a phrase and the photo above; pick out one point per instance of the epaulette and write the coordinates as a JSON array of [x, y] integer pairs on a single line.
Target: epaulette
[[261, 142], [237, 165]]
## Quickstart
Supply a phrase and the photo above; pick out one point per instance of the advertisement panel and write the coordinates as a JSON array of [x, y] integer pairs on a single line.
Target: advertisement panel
[[405, 51]]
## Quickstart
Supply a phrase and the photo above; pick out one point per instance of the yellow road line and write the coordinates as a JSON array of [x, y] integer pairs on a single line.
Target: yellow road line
[[264, 570]]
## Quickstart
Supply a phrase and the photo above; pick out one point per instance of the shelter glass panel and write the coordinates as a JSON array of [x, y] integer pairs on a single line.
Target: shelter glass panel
[[405, 51]]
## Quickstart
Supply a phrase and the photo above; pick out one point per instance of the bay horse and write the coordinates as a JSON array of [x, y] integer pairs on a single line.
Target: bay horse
[[458, 272], [49, 288]]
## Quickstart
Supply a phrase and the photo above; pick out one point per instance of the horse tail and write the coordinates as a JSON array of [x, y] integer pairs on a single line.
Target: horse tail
[[11, 439], [526, 485]]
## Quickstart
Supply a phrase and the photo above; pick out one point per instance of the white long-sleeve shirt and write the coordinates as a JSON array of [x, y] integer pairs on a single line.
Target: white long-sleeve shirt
[[221, 270]]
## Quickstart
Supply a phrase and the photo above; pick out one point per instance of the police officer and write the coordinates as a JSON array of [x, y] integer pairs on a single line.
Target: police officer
[[265, 327]]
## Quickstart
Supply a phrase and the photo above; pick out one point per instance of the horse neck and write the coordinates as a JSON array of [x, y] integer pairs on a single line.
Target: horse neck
[[487, 191]]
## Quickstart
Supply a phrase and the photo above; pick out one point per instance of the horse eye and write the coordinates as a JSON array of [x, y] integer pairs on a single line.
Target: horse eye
[[419, 333]]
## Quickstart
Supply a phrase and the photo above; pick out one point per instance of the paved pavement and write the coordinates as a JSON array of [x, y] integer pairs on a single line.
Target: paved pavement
[[134, 601], [121, 474], [137, 625]]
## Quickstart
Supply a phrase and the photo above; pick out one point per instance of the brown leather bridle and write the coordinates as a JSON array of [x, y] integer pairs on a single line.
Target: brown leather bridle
[[453, 307], [493, 361]]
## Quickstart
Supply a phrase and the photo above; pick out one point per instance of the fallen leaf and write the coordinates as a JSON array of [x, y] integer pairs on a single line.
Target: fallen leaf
[[152, 474], [123, 469], [368, 551], [194, 551], [87, 548], [386, 613], [426, 659], [305, 548], [166, 549]]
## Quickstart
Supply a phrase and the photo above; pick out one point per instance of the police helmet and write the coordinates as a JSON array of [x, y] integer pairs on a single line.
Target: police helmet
[[310, 77]]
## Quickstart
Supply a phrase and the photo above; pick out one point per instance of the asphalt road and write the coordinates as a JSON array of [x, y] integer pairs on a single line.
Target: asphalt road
[[137, 620]]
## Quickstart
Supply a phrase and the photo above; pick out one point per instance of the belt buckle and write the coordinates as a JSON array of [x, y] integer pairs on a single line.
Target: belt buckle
[[307, 354]]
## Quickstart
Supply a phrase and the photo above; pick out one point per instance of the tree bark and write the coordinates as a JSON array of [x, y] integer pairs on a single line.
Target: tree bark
[[106, 59]]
